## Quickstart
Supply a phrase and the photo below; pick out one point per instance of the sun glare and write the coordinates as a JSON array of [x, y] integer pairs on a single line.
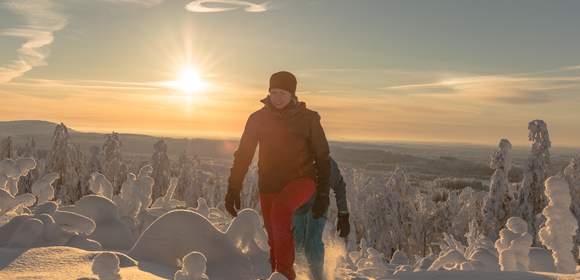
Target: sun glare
[[189, 81]]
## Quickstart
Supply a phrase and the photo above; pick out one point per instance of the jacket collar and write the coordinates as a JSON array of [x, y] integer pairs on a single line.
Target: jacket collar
[[294, 108]]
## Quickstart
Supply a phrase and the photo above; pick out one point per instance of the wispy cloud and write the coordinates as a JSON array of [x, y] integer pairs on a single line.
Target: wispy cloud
[[41, 22], [147, 3], [571, 68], [207, 6], [201, 6], [88, 84], [529, 88]]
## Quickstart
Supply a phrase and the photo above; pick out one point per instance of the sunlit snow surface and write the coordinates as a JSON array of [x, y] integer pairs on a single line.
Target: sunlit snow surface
[[126, 236]]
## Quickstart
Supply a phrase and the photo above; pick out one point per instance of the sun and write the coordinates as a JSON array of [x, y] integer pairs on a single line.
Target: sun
[[189, 81]]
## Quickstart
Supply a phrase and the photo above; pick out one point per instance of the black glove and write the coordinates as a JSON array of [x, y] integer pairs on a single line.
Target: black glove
[[320, 205], [343, 225], [233, 201]]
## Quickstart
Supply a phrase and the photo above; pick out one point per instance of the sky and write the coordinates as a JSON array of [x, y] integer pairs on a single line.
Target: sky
[[376, 70]]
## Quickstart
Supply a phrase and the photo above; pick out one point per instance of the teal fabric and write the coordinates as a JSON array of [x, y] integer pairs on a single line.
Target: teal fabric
[[308, 238], [308, 231]]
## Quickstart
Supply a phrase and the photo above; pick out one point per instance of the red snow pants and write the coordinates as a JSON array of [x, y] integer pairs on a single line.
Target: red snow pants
[[277, 211]]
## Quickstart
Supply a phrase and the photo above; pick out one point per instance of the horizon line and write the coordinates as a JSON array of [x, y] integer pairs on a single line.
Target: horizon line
[[377, 141]]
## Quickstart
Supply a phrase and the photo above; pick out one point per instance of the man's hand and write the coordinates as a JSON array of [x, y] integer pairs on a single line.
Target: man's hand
[[343, 225], [320, 205], [233, 201]]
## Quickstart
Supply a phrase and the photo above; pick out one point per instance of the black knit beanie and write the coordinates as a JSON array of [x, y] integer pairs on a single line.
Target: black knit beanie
[[283, 80]]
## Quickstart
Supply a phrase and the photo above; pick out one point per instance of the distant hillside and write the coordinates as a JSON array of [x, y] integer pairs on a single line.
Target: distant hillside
[[132, 144], [431, 160], [26, 128]]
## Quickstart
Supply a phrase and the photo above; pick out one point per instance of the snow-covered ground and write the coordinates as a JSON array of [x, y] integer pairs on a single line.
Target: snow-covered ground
[[36, 246], [59, 262], [60, 221]]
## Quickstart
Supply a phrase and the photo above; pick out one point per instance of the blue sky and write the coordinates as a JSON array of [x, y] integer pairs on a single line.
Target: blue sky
[[441, 70]]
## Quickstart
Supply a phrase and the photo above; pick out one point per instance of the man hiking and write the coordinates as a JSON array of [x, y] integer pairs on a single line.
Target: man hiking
[[293, 166], [308, 230]]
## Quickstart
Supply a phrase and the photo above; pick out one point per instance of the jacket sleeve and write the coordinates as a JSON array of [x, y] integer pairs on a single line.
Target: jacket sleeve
[[339, 187], [319, 146], [244, 154]]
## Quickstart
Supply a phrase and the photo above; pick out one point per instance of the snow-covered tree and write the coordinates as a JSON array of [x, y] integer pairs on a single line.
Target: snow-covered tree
[[187, 190], [558, 232], [135, 195], [363, 185], [513, 245], [572, 175], [83, 170], [113, 167], [373, 261], [390, 215], [11, 171], [100, 185], [43, 189], [446, 214], [28, 150], [470, 205], [167, 201], [94, 164], [63, 160], [531, 198], [210, 186], [452, 212], [496, 209], [161, 169], [6, 148], [423, 222]]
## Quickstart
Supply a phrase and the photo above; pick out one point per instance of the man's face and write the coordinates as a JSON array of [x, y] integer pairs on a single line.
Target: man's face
[[280, 98]]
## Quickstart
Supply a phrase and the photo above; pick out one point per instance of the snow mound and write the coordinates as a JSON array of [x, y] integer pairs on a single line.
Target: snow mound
[[106, 266], [402, 268], [73, 222], [424, 263], [12, 206], [21, 232], [202, 207], [166, 201], [247, 232], [60, 262], [43, 189], [374, 265], [48, 207], [82, 242], [472, 275], [100, 185], [482, 255], [399, 258], [11, 171], [48, 227], [194, 267], [450, 259], [179, 232], [110, 231], [541, 260], [8, 169], [277, 276]]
